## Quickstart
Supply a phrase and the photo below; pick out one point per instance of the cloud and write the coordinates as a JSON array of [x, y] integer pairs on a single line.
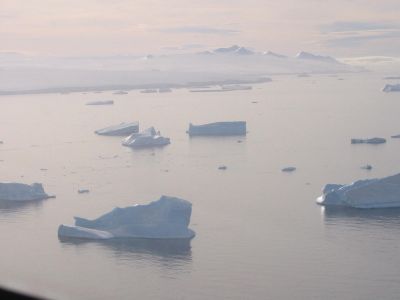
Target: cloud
[[199, 30], [355, 34]]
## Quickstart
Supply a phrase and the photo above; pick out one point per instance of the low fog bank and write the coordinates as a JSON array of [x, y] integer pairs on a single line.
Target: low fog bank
[[25, 74]]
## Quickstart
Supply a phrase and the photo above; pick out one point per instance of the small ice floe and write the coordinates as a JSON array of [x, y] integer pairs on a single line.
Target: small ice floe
[[375, 140], [222, 167], [43, 169], [105, 102], [166, 218], [149, 91], [122, 129], [83, 191], [22, 192], [366, 167], [391, 88], [120, 93], [288, 169], [397, 136], [368, 193], [147, 138], [218, 128]]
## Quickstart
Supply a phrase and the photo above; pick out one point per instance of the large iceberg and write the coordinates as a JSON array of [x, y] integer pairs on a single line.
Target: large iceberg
[[368, 193], [310, 56], [22, 192], [391, 88], [218, 128], [166, 218], [120, 129], [147, 138]]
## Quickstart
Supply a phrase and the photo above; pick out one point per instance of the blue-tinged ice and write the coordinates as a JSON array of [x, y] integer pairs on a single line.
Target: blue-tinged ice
[[22, 192], [391, 88], [368, 193], [218, 128], [166, 218]]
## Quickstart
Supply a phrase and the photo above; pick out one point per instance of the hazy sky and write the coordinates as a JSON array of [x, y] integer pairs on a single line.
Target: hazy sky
[[113, 27]]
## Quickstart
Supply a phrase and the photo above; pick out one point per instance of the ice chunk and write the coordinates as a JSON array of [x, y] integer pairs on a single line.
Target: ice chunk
[[83, 191], [223, 167], [120, 93], [366, 167], [22, 192], [397, 136], [218, 128], [166, 218], [375, 140], [391, 88], [146, 138], [105, 102], [289, 169], [369, 193], [148, 91], [120, 129]]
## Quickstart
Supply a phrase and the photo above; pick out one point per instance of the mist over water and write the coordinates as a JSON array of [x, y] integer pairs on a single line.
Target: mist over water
[[259, 233]]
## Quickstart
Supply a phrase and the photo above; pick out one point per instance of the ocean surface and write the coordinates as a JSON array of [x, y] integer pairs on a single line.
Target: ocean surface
[[260, 234]]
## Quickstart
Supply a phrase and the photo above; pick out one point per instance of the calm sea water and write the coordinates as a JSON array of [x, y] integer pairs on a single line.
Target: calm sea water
[[260, 234]]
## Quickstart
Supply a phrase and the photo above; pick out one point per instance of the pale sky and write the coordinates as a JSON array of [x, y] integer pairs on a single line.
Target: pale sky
[[343, 28]]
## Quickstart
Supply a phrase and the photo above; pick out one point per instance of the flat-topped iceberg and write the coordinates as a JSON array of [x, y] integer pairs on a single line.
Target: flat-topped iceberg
[[375, 140], [368, 193], [147, 138], [105, 102], [120, 129], [218, 128], [166, 218], [22, 192], [391, 88]]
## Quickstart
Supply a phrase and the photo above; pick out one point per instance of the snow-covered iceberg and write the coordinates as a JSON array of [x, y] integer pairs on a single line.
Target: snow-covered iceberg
[[147, 138], [166, 218], [310, 56], [375, 140], [22, 192], [368, 193], [218, 128], [391, 88], [120, 129], [106, 102]]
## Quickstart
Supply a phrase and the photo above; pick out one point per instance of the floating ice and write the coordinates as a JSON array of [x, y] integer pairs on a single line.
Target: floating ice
[[22, 192], [146, 138], [310, 56], [164, 90], [166, 218], [369, 193], [366, 167], [148, 91], [83, 191], [120, 93], [218, 128], [375, 140], [106, 102], [397, 136], [289, 169], [120, 129], [391, 88]]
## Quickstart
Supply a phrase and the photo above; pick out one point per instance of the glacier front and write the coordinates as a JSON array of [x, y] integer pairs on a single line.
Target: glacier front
[[368, 193], [166, 218]]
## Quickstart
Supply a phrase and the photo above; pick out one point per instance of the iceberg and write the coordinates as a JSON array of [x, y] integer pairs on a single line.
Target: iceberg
[[146, 138], [397, 136], [120, 129], [166, 218], [375, 140], [22, 192], [369, 193], [120, 93], [149, 91], [289, 169], [106, 102], [310, 56], [391, 88], [218, 128]]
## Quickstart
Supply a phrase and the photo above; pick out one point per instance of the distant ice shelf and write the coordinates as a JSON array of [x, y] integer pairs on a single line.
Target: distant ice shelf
[[368, 193], [166, 218], [218, 129], [22, 192], [122, 129]]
